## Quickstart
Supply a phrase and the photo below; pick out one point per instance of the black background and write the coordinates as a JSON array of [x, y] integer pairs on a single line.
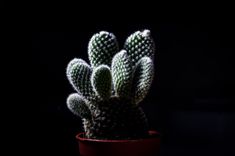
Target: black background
[[191, 102]]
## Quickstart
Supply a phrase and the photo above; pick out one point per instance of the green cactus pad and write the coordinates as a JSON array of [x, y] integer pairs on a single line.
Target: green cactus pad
[[122, 74], [79, 73], [101, 81], [143, 77], [101, 48], [138, 45], [77, 105], [71, 64]]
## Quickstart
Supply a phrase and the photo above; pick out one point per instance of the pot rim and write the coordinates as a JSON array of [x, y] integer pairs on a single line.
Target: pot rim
[[152, 133]]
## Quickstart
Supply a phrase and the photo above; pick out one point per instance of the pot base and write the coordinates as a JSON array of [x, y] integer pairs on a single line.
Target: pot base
[[141, 147]]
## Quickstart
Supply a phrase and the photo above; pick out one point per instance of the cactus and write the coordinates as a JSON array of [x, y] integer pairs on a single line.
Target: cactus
[[110, 90]]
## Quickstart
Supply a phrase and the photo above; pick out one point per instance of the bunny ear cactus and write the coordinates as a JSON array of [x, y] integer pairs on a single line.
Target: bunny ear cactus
[[110, 89]]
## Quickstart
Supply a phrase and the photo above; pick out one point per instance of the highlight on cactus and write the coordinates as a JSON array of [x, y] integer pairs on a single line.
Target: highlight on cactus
[[109, 90]]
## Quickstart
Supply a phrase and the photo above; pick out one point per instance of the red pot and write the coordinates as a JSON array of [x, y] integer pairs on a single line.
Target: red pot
[[142, 147]]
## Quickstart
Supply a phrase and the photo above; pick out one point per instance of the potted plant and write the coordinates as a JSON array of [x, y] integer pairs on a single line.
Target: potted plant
[[108, 94]]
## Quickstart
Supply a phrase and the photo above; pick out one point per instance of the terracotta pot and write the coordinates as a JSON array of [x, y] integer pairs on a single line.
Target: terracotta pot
[[142, 147]]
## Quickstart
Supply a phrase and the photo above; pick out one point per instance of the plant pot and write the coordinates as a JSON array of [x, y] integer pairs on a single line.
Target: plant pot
[[141, 147]]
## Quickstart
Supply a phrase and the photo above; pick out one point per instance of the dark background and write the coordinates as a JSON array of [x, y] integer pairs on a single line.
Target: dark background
[[191, 102]]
